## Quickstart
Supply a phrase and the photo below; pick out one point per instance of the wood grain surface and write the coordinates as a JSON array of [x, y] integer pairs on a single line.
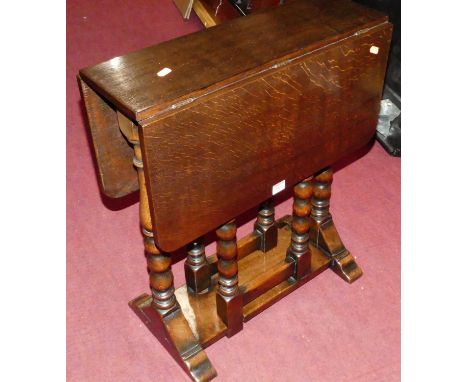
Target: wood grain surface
[[209, 59], [220, 155], [274, 96], [112, 153]]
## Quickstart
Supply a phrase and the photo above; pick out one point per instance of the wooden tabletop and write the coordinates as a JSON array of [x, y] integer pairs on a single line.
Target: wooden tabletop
[[248, 108], [209, 59]]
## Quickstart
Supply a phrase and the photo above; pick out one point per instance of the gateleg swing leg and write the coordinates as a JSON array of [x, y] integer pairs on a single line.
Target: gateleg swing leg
[[299, 251], [197, 269], [266, 226], [228, 297]]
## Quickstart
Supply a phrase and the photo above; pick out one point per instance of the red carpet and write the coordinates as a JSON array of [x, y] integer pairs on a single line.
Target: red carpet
[[325, 331]]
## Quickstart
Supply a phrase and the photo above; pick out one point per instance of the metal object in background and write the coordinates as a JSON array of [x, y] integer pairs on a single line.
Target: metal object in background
[[389, 125], [243, 6], [388, 112], [391, 138]]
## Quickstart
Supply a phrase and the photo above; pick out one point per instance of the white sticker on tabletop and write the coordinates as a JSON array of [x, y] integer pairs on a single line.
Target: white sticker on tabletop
[[278, 187], [164, 72]]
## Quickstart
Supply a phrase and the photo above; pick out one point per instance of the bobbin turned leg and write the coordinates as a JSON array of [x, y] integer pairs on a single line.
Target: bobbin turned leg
[[265, 225], [197, 269], [298, 250], [163, 315], [228, 298], [323, 231]]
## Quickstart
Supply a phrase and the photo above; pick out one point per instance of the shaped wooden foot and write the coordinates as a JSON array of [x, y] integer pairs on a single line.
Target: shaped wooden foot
[[345, 266], [174, 333], [323, 232]]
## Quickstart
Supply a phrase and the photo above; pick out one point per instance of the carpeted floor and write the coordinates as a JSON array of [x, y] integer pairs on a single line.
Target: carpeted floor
[[324, 331]]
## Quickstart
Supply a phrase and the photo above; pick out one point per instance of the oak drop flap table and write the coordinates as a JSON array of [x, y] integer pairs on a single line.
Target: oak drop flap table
[[212, 124]]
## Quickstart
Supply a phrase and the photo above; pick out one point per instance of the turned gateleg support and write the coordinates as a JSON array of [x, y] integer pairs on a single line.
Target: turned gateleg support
[[266, 226], [228, 297], [161, 312], [298, 251], [323, 231], [197, 269]]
